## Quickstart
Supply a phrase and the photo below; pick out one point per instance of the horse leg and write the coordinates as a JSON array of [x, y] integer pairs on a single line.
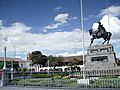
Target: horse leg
[[108, 41], [91, 41], [109, 38], [104, 41]]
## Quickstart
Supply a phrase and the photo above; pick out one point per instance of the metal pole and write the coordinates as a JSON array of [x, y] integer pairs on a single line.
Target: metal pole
[[14, 56], [108, 15], [31, 68], [82, 27], [4, 67], [48, 67], [12, 64], [12, 68]]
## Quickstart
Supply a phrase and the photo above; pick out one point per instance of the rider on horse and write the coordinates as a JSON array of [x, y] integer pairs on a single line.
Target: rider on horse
[[101, 30], [100, 33]]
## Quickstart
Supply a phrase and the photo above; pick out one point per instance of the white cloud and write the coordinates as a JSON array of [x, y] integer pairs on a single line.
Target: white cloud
[[65, 54], [52, 26], [113, 10], [57, 8], [111, 23], [59, 20], [27, 42], [1, 23], [95, 26], [72, 18], [114, 24]]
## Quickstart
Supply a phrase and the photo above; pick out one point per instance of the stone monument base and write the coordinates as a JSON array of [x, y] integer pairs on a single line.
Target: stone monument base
[[100, 57]]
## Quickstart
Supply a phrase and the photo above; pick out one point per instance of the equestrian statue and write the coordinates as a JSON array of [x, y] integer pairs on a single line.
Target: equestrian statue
[[100, 33]]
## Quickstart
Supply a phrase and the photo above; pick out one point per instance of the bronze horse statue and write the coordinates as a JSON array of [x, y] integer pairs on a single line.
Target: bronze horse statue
[[106, 36]]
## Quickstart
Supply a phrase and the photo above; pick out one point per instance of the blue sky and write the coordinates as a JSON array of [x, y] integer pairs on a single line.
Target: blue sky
[[53, 26]]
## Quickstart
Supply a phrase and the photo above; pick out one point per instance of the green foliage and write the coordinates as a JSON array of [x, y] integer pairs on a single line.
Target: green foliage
[[15, 65], [73, 62], [8, 64], [1, 65], [55, 61], [49, 75], [23, 70], [38, 58], [41, 75]]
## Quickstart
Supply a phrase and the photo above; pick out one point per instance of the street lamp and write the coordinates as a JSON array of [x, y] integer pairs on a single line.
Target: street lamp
[[12, 64], [48, 66], [4, 67]]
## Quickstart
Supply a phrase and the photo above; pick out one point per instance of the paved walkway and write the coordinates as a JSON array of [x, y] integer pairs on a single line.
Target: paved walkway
[[37, 88]]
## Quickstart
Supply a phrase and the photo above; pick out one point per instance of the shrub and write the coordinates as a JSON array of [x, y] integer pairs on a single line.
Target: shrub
[[56, 75], [41, 75]]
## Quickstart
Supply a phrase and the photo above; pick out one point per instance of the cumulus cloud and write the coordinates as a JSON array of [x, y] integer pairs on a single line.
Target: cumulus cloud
[[114, 24], [71, 54], [13, 33], [111, 23], [113, 10], [52, 26], [26, 42], [59, 20], [95, 26]]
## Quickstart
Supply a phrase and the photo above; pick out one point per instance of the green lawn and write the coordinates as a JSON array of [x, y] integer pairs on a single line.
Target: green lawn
[[63, 82]]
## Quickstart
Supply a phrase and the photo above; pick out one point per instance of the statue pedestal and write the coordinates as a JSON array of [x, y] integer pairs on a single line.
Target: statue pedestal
[[100, 57]]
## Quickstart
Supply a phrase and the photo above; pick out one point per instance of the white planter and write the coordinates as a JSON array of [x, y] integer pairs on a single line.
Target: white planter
[[83, 81]]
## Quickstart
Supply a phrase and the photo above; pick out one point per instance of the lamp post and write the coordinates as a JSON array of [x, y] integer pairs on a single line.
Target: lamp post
[[48, 66], [31, 68], [4, 67], [12, 64]]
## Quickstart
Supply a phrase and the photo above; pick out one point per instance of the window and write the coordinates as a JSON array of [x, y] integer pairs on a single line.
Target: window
[[104, 50], [99, 59], [94, 51]]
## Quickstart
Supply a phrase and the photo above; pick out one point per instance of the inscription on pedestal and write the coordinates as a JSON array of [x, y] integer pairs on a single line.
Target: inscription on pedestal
[[100, 57]]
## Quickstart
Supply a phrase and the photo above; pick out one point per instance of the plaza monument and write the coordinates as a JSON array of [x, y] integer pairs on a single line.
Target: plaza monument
[[101, 56]]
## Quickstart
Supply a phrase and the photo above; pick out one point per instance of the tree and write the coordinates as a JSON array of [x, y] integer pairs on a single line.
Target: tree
[[55, 61], [8, 64], [73, 63], [1, 65], [38, 58]]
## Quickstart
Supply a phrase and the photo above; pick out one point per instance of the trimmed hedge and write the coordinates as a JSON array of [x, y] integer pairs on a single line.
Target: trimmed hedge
[[41, 75], [60, 75]]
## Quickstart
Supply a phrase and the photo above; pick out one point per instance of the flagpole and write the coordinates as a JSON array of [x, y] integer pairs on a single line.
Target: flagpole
[[82, 27], [108, 15]]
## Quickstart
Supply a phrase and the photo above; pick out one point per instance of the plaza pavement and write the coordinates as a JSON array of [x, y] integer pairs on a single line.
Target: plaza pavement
[[38, 88]]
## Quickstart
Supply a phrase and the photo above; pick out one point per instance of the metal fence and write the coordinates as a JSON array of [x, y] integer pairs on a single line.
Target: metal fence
[[93, 79]]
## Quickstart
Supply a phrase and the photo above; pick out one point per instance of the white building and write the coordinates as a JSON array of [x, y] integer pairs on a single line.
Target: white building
[[22, 63]]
